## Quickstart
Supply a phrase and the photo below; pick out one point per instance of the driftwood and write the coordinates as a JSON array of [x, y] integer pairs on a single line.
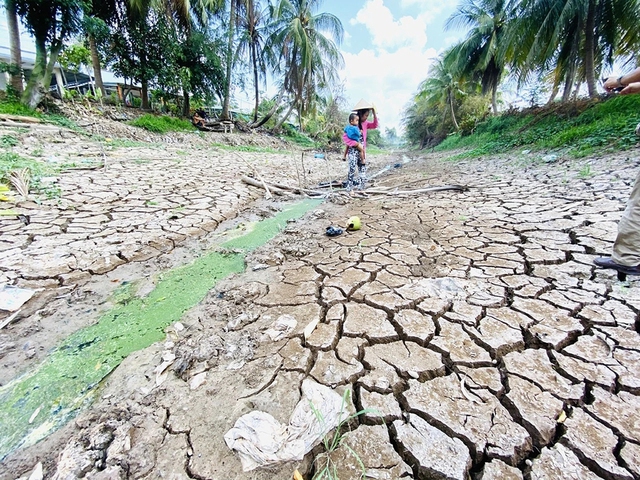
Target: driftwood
[[377, 191], [19, 118], [256, 183], [281, 189], [257, 174]]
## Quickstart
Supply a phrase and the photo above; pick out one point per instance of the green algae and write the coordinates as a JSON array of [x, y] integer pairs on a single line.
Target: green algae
[[38, 402]]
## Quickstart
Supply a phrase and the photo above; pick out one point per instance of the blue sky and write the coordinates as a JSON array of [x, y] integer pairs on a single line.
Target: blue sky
[[388, 48]]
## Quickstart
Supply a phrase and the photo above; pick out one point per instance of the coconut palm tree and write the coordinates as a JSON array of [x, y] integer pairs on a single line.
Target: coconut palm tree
[[442, 87], [251, 29], [573, 39], [14, 41], [483, 51], [302, 49]]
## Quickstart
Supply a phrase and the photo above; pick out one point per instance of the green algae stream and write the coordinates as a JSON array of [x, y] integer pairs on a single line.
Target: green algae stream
[[40, 401]]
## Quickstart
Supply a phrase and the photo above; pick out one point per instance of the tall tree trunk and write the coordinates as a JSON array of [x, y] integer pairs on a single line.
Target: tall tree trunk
[[284, 118], [95, 62], [453, 115], [144, 93], [271, 112], [255, 82], [40, 78], [554, 93], [14, 40], [589, 46], [494, 99], [186, 104], [227, 86], [568, 83]]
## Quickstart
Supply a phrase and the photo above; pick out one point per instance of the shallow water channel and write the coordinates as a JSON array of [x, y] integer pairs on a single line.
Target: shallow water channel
[[45, 398]]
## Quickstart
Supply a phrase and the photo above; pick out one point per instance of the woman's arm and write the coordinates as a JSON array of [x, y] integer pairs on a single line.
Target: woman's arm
[[372, 125]]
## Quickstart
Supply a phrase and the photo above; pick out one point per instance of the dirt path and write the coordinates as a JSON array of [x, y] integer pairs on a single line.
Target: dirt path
[[474, 323]]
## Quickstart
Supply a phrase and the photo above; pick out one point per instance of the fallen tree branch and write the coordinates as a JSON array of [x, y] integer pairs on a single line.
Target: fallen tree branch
[[459, 188], [257, 174], [263, 184]]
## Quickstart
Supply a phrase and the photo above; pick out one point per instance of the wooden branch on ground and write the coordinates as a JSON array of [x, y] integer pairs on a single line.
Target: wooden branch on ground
[[263, 185], [459, 188], [257, 174], [19, 118]]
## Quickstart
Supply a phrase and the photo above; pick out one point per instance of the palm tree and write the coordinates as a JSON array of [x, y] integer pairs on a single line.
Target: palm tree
[[251, 25], [14, 41], [442, 87], [573, 39], [483, 52], [233, 6], [301, 54]]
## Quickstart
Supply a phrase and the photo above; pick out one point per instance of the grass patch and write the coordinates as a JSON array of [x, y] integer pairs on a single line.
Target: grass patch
[[245, 148], [162, 124], [578, 129]]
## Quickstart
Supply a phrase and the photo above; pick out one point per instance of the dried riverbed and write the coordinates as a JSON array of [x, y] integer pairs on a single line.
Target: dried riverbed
[[473, 323]]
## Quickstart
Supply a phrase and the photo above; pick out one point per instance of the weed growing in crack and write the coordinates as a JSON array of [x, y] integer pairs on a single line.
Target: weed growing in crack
[[586, 171], [326, 469]]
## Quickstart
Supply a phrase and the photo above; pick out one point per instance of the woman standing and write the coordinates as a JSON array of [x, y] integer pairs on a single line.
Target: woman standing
[[357, 163]]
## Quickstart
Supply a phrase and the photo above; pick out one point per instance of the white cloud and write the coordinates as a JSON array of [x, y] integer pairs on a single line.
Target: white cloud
[[389, 72], [389, 80], [386, 32]]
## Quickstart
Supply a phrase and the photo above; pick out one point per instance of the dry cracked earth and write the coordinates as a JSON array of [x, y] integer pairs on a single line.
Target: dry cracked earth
[[470, 327]]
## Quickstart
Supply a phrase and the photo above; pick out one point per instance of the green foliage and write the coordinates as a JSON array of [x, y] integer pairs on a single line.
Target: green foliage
[[295, 136], [325, 466], [577, 129], [13, 107], [75, 57], [162, 124], [7, 141]]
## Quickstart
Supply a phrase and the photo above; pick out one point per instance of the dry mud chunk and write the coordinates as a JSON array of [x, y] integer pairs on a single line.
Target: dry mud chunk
[[387, 363], [348, 281], [436, 455], [373, 447], [330, 371], [458, 345], [287, 294], [594, 444], [499, 337], [483, 377], [620, 411], [477, 418], [381, 407], [537, 409], [559, 462], [497, 470], [365, 321], [629, 369], [295, 356], [580, 371], [630, 455], [415, 326], [543, 375], [324, 336]]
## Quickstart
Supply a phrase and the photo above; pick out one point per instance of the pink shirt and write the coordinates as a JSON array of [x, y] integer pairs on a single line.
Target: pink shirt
[[365, 126]]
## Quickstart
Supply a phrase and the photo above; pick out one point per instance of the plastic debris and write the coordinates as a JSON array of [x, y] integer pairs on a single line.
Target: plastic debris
[[12, 298], [282, 327], [353, 223], [334, 231], [261, 440]]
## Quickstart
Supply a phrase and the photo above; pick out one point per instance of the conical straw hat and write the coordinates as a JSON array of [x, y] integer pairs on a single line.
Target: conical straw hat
[[363, 105]]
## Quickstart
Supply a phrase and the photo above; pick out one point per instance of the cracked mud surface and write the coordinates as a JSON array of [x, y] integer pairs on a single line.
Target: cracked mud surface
[[474, 323]]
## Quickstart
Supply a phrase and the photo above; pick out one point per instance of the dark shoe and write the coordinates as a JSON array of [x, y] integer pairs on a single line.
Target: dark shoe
[[334, 231], [606, 262]]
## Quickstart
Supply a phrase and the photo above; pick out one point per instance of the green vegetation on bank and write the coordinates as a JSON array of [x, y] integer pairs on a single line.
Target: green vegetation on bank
[[577, 129]]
